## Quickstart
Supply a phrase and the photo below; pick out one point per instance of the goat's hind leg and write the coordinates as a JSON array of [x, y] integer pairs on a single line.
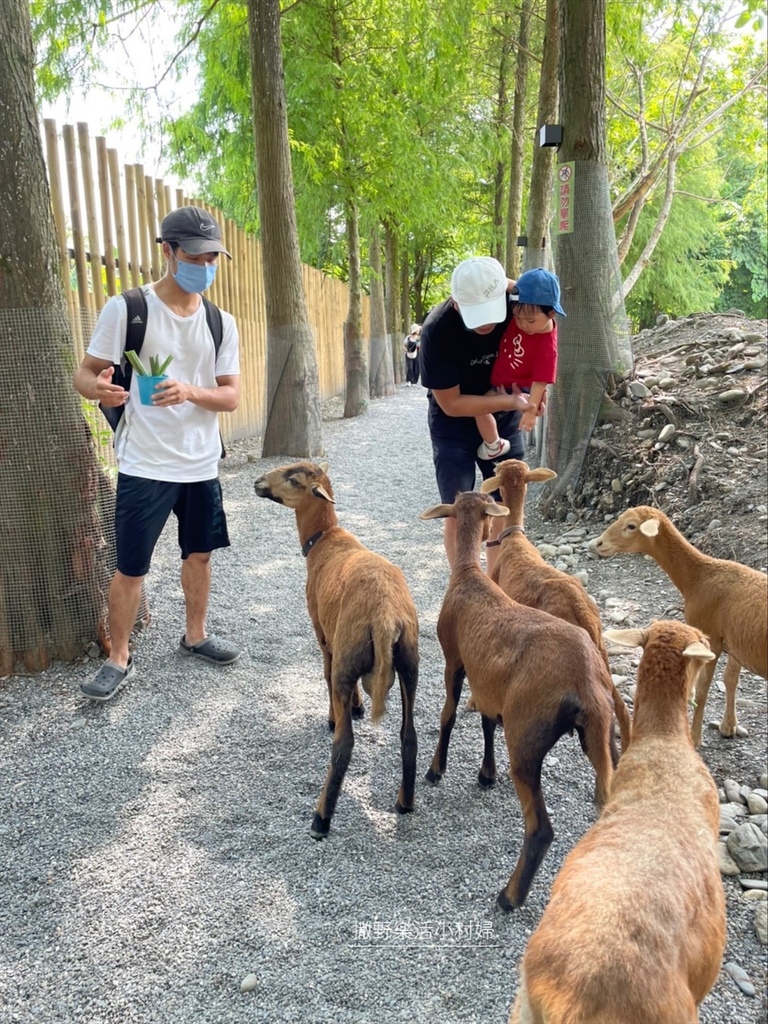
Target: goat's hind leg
[[486, 777], [408, 744], [598, 743], [525, 769], [341, 753], [454, 678], [703, 683], [729, 724]]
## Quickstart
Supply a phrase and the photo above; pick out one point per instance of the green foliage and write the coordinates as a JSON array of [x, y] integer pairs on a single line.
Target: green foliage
[[690, 66], [396, 106], [689, 266], [745, 236], [102, 436]]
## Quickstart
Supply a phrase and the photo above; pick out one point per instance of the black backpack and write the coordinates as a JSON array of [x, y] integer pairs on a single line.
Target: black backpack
[[136, 328]]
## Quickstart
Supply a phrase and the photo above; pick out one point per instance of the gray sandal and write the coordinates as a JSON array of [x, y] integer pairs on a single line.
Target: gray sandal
[[213, 648], [108, 681]]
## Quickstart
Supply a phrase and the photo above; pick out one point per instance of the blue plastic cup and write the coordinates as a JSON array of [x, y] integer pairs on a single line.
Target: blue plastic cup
[[147, 387]]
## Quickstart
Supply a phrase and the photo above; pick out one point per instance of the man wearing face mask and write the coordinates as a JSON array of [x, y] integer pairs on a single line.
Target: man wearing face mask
[[167, 453]]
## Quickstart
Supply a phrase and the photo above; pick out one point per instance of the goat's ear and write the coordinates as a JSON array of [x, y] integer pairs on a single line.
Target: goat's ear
[[437, 512], [650, 528], [626, 637], [698, 650], [323, 467], [492, 509], [538, 476], [491, 484], [320, 492]]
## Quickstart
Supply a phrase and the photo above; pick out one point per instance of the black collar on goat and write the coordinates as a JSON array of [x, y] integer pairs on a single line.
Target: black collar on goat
[[308, 545], [503, 534]]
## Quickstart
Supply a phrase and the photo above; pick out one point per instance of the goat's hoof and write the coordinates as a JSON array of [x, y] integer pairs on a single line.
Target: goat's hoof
[[432, 776], [484, 781], [503, 902], [358, 711], [730, 732], [402, 810], [320, 827]]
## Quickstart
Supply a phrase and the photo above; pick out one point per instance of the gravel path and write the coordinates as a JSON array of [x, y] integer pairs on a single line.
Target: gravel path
[[155, 851]]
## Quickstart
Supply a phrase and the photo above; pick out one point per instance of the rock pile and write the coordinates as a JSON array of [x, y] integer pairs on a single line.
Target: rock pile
[[686, 433], [743, 851]]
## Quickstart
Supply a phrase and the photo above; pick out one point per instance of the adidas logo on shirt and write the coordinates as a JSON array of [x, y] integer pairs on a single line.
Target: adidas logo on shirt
[[137, 320]]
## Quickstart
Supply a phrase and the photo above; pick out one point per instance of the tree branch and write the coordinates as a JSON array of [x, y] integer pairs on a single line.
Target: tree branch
[[195, 33], [645, 257]]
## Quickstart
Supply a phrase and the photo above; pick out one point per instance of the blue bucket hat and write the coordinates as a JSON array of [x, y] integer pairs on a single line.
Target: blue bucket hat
[[539, 287]]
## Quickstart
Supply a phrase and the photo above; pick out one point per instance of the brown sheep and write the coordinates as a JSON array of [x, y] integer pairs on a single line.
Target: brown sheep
[[541, 677], [726, 600], [522, 572], [635, 928], [365, 621]]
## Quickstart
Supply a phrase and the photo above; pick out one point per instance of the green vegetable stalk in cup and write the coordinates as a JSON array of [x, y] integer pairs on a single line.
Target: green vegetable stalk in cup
[[156, 368]]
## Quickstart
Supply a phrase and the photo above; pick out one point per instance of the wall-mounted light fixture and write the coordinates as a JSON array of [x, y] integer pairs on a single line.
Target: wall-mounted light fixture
[[551, 135]]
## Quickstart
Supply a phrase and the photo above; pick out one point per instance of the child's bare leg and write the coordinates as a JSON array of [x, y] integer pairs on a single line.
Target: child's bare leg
[[493, 446], [489, 432]]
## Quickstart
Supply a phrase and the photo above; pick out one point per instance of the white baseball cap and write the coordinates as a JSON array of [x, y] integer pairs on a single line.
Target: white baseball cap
[[479, 289]]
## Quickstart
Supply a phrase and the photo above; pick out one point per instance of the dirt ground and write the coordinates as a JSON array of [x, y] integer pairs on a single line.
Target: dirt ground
[[691, 439]]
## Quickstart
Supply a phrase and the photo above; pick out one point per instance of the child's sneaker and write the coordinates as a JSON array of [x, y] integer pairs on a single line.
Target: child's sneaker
[[493, 451]]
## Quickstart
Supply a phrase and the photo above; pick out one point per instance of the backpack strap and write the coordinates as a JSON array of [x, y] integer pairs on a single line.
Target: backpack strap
[[215, 323], [135, 329], [136, 325]]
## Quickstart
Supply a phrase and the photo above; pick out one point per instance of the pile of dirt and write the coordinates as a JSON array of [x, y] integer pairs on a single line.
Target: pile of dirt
[[686, 433]]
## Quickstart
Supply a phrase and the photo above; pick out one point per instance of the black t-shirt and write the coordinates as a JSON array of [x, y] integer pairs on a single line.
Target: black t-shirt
[[452, 355]]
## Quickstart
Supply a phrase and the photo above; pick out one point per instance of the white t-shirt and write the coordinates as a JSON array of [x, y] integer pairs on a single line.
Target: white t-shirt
[[181, 443]]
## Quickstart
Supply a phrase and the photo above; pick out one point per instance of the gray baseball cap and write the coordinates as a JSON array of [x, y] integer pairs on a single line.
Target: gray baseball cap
[[194, 230]]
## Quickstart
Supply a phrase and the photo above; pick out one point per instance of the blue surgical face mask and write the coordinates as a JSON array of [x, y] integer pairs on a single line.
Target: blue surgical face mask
[[195, 277]]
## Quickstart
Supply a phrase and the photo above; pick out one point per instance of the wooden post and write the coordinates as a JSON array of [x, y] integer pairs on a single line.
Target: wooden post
[[141, 210], [84, 297], [152, 228], [131, 206], [94, 243], [123, 260], [106, 213], [57, 203]]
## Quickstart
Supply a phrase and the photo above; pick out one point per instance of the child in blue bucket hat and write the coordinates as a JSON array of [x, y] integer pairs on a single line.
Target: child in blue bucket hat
[[527, 356]]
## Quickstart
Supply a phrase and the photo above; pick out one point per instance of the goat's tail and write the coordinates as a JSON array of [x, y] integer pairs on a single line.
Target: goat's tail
[[378, 682]]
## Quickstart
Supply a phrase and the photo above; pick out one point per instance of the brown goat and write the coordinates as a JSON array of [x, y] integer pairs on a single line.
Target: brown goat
[[365, 621], [540, 676], [635, 928], [726, 600], [526, 577]]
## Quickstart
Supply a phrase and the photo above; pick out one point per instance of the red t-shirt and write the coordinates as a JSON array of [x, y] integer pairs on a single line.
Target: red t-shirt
[[524, 358]]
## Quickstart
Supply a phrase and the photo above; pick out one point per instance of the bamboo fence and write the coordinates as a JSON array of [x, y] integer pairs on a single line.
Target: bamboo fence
[[107, 221]]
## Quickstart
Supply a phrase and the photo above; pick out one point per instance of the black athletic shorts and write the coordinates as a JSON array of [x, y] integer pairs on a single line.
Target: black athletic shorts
[[142, 510], [455, 441]]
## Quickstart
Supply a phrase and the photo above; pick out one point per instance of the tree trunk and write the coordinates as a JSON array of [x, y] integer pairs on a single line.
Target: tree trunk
[[392, 300], [380, 366], [421, 262], [537, 253], [54, 497], [405, 297], [355, 360], [294, 421], [517, 152], [502, 118], [594, 338]]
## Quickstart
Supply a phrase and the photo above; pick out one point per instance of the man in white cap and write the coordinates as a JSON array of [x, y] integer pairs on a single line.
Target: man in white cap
[[167, 452], [459, 342]]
